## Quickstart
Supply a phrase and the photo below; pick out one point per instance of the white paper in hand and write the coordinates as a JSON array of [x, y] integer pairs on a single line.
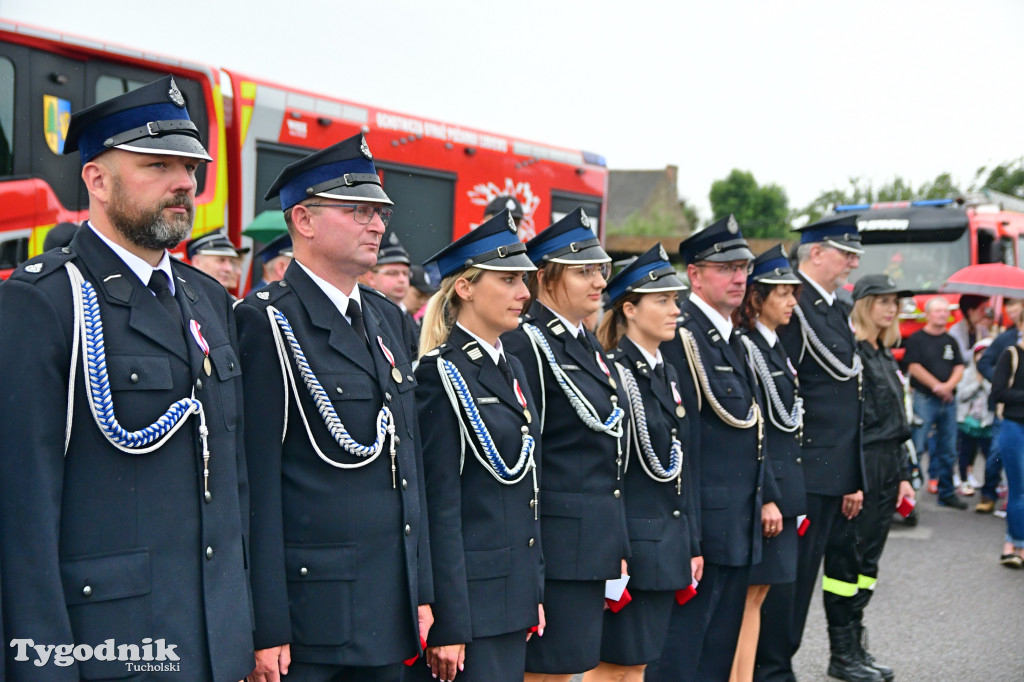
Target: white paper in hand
[[613, 588]]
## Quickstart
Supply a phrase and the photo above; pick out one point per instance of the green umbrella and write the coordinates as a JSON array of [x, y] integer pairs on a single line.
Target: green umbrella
[[266, 226]]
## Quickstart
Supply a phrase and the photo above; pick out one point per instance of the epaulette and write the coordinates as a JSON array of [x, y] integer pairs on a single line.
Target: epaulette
[[268, 294], [367, 288], [43, 265], [440, 350], [371, 290]]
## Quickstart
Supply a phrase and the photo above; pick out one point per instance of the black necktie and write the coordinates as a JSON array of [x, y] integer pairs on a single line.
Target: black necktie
[[159, 285], [506, 371], [356, 318], [659, 371]]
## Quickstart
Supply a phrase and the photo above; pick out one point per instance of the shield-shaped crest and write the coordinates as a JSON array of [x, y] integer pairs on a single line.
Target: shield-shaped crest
[[57, 116]]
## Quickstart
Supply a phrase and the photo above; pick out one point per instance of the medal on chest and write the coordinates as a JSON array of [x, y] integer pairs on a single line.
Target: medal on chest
[[522, 400], [194, 327], [680, 410], [396, 374], [604, 368]]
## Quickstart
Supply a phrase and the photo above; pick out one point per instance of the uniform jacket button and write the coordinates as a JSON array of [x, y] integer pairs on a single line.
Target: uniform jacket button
[[87, 591], [617, 493], [531, 542], [303, 571], [677, 513], [798, 460], [398, 441], [408, 529], [208, 496], [405, 483], [231, 367], [209, 552], [199, 384], [340, 390], [387, 396], [134, 378]]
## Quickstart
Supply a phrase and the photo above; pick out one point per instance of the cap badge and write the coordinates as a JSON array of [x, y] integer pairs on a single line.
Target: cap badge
[[174, 94], [392, 239], [891, 282], [511, 223], [733, 226], [365, 150], [510, 204], [584, 220], [661, 252]]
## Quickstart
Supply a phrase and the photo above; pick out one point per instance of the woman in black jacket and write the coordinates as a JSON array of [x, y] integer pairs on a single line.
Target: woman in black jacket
[[767, 305], [1008, 392], [479, 451], [854, 550], [581, 408], [660, 511]]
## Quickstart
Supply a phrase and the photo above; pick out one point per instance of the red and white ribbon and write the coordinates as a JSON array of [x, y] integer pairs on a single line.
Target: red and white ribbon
[[193, 327], [600, 361], [519, 393], [675, 394], [387, 353]]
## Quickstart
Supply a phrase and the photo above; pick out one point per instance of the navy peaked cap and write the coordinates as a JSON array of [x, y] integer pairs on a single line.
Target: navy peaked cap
[[838, 230], [719, 242], [569, 240], [648, 273], [772, 267], [494, 245]]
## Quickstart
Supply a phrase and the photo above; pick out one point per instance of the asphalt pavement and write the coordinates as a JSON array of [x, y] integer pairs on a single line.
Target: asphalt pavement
[[944, 609]]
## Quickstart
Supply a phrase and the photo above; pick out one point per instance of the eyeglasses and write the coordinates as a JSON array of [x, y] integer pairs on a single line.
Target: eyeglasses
[[590, 270], [362, 213], [729, 269]]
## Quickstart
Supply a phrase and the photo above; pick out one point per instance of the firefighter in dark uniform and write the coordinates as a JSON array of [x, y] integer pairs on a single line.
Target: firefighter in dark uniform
[[123, 491], [729, 466], [660, 513], [480, 448], [767, 306], [392, 277], [855, 548], [274, 258], [340, 559], [581, 409], [820, 342]]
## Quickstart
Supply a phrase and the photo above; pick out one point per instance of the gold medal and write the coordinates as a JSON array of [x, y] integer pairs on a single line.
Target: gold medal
[[529, 417], [206, 366], [396, 374], [680, 411]]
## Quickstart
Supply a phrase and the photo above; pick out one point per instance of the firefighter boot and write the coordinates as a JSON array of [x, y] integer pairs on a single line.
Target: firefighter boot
[[844, 663], [860, 643]]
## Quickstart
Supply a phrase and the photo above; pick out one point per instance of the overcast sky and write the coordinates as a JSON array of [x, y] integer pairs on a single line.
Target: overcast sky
[[803, 94]]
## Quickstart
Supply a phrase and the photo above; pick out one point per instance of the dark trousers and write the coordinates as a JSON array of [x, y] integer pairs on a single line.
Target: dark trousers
[[993, 464], [500, 658], [318, 672], [702, 633], [968, 447], [789, 604], [855, 546]]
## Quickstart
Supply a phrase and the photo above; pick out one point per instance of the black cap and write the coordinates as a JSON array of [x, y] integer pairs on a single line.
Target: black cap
[[278, 246], [213, 244], [342, 171], [421, 280], [504, 202], [392, 251], [719, 242], [876, 285], [570, 240], [492, 246], [148, 120], [649, 273], [838, 230], [772, 267]]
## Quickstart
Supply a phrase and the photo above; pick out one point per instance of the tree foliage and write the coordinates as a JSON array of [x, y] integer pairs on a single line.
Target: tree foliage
[[762, 212], [860, 191], [1007, 178]]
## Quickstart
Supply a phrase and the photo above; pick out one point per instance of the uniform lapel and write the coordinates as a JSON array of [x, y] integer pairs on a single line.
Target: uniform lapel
[[194, 307], [714, 337], [119, 286], [570, 345], [376, 329], [489, 376], [637, 363]]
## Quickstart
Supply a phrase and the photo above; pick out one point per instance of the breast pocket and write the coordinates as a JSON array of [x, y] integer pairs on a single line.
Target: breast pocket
[[107, 597], [228, 369], [320, 583], [139, 372], [728, 387]]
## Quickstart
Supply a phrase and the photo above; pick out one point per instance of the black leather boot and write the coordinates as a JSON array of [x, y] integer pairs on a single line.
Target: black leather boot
[[860, 643], [845, 664]]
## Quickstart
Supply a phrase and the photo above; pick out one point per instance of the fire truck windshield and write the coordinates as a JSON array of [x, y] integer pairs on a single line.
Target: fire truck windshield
[[917, 260]]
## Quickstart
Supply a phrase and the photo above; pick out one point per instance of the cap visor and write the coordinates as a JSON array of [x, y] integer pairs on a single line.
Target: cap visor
[[171, 145], [518, 262], [221, 252], [391, 260], [849, 247], [666, 283], [591, 254], [737, 253], [362, 193], [779, 279]]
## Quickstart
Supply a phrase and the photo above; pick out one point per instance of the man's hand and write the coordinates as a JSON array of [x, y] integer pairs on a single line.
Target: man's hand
[[771, 520], [426, 620], [852, 504], [446, 661], [271, 664], [944, 391], [907, 491], [542, 623], [697, 568]]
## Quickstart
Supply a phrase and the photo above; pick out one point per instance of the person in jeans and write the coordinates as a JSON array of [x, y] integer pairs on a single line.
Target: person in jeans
[[973, 418], [933, 359], [987, 366], [1008, 392]]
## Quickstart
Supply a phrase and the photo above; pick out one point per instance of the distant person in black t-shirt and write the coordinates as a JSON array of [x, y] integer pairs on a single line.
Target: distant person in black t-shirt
[[936, 366]]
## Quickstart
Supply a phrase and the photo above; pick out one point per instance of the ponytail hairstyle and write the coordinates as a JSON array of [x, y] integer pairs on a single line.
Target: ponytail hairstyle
[[614, 325], [443, 310], [553, 274]]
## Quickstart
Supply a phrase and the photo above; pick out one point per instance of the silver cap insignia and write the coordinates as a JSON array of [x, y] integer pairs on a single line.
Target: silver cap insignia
[[175, 94]]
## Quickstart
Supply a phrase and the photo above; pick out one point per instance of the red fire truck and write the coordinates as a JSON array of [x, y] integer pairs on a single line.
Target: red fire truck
[[921, 243], [440, 175]]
